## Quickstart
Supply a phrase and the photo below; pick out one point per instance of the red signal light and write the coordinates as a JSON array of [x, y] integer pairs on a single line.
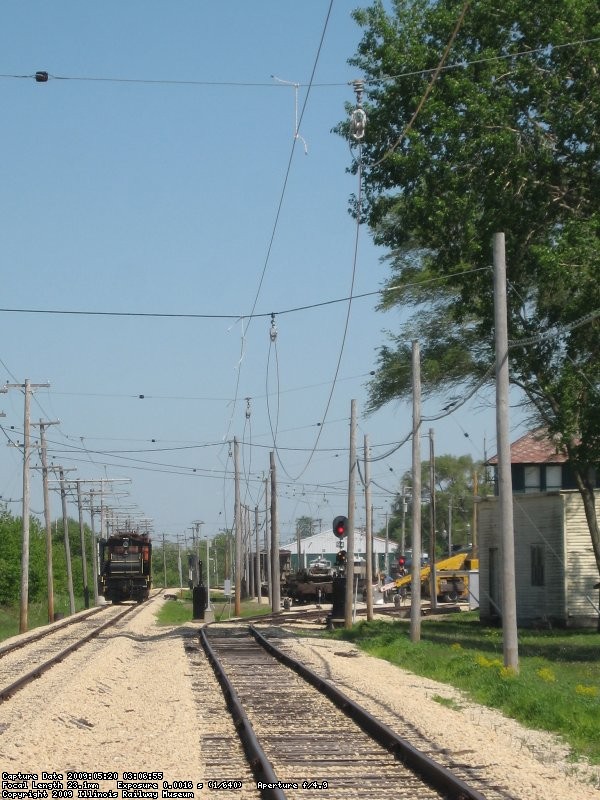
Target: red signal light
[[340, 526]]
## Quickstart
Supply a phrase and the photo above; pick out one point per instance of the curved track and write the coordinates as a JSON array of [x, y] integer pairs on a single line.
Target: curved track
[[297, 738], [51, 645]]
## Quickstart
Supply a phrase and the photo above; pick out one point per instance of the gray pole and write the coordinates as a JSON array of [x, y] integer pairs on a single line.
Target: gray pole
[[23, 621], [275, 566], [268, 546], [349, 599], [86, 588], [63, 497], [237, 609], [208, 605], [415, 586], [24, 601], [387, 545], [94, 549], [257, 561], [369, 531], [164, 562], [505, 504], [47, 519], [432, 521]]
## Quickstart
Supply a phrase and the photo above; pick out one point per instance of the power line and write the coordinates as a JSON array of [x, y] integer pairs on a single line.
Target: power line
[[253, 315], [270, 85]]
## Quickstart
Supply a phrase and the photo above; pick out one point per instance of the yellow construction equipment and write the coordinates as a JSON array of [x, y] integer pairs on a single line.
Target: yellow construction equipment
[[451, 577]]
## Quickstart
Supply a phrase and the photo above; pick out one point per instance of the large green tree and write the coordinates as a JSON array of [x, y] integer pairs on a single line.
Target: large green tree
[[506, 140]]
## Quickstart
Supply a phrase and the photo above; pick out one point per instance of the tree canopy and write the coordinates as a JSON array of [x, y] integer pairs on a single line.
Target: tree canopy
[[505, 140]]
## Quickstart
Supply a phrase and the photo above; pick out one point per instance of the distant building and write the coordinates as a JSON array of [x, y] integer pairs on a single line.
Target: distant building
[[327, 545]]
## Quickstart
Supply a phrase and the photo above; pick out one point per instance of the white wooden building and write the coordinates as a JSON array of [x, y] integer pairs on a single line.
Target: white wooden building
[[555, 567]]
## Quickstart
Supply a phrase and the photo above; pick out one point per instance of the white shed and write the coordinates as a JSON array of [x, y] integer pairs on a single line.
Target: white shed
[[555, 568]]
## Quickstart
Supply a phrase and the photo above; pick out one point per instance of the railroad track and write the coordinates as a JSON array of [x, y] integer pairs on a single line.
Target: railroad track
[[300, 734], [51, 645]]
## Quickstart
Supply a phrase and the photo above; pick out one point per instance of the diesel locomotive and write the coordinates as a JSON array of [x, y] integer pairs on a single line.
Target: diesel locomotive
[[125, 567]]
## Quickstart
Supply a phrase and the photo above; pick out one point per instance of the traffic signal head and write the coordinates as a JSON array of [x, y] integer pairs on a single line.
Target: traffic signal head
[[340, 526], [340, 558], [401, 561]]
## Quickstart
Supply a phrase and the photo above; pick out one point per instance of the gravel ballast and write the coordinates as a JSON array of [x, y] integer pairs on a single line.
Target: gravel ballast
[[129, 701]]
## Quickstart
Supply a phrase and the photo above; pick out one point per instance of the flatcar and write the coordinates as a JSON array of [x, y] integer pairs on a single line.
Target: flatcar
[[125, 567]]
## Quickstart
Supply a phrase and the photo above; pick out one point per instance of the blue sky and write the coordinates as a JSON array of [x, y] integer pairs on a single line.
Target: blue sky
[[126, 189]]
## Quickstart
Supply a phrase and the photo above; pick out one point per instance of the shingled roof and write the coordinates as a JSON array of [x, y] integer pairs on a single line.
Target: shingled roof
[[534, 448]]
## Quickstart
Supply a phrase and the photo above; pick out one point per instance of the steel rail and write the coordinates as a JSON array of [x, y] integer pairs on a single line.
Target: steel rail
[[437, 776], [259, 763], [7, 691], [46, 631]]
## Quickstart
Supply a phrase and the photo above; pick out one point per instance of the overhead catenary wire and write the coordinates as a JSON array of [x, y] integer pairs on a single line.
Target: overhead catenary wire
[[549, 47], [279, 313]]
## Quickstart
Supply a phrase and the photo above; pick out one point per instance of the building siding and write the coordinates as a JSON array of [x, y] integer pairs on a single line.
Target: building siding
[[555, 524]]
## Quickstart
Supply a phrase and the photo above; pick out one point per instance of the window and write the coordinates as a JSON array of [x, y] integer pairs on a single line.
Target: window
[[553, 478], [532, 479], [537, 564]]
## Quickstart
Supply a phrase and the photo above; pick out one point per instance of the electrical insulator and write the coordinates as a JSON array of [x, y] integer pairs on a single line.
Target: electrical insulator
[[358, 123], [273, 331]]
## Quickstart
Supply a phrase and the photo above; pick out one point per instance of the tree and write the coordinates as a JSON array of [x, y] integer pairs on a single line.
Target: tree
[[506, 140], [305, 526]]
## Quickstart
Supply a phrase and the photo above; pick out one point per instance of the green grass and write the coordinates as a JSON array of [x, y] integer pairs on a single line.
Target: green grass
[[557, 688], [37, 614], [180, 611]]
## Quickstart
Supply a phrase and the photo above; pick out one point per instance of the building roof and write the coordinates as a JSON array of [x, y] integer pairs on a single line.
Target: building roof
[[535, 447]]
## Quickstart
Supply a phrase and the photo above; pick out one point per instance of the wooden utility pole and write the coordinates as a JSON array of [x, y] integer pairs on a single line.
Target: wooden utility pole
[[268, 546], [47, 517], [86, 588], [474, 522], [415, 586], [369, 530], [63, 497], [257, 561], [24, 600], [248, 572], [349, 599], [94, 549], [432, 522], [275, 566], [237, 606], [505, 499]]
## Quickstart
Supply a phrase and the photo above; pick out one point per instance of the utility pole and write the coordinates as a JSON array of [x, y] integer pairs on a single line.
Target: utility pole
[[369, 531], [63, 497], [387, 544], [257, 562], [248, 583], [238, 531], [474, 547], [275, 566], [94, 549], [432, 522], [415, 587], [24, 600], [267, 546], [505, 504], [349, 599], [86, 588], [47, 517]]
